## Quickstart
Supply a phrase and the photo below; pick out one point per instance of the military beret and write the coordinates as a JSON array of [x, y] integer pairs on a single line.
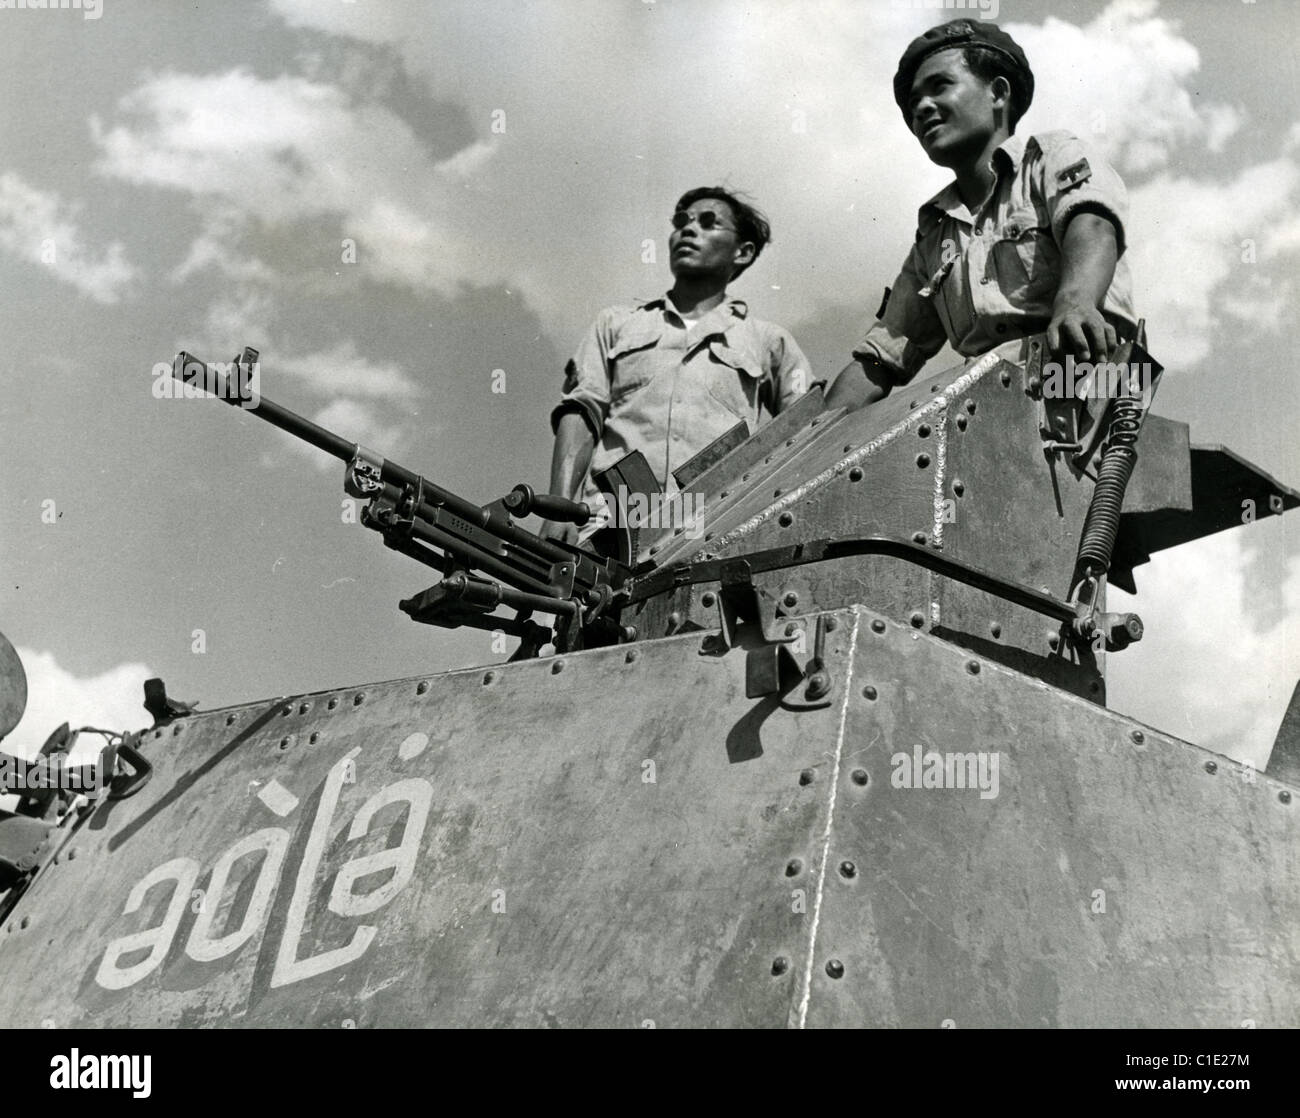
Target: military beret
[[959, 33]]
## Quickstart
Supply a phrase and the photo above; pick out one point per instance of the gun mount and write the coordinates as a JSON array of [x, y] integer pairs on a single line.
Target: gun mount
[[839, 757]]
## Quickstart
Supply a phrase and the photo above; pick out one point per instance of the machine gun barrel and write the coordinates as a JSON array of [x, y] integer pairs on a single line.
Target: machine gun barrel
[[479, 537]]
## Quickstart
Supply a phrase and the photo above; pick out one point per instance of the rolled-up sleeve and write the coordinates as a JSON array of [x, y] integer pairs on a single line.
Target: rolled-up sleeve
[[789, 368], [587, 379], [1078, 179], [910, 332]]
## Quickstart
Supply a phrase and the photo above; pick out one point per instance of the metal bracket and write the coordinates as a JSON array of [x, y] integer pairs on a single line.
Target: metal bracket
[[364, 474]]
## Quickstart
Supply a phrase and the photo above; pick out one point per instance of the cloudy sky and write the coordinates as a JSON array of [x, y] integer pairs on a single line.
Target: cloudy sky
[[394, 200]]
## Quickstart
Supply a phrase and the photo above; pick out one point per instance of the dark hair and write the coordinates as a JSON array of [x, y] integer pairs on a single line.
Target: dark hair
[[751, 225], [987, 65]]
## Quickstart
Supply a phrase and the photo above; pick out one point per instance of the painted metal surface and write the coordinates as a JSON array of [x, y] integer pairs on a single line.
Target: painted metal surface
[[621, 837], [1118, 877], [601, 840]]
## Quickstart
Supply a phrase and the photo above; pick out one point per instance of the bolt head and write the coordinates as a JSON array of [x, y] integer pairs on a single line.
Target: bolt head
[[869, 692], [707, 599], [973, 666], [855, 474], [794, 867], [807, 777], [848, 869], [791, 599], [780, 965], [1211, 767], [877, 626], [917, 619], [860, 777], [1138, 737], [557, 667], [1284, 796], [835, 968]]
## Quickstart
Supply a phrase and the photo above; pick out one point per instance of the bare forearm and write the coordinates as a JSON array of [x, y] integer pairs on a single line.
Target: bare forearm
[[571, 456], [860, 383], [1089, 254]]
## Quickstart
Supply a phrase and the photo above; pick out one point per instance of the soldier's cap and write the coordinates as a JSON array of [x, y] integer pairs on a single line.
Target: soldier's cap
[[959, 33]]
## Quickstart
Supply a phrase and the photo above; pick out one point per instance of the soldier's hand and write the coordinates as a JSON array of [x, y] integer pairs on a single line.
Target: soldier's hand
[[1080, 329], [560, 531]]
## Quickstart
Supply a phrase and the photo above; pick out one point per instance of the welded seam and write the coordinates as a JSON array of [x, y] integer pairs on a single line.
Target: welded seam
[[989, 361], [940, 508], [830, 820]]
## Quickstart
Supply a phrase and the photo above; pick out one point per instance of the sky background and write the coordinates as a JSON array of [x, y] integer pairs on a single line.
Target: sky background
[[183, 176]]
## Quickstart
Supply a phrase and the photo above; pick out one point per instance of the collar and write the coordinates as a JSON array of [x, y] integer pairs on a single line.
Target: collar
[[731, 307], [1006, 160]]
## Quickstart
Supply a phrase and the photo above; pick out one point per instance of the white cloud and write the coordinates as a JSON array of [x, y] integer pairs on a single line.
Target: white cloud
[[358, 422], [286, 151], [112, 700], [342, 370], [1202, 671], [36, 226], [1202, 251]]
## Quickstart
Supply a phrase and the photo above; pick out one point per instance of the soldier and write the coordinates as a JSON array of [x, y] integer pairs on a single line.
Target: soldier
[[1030, 235], [669, 376]]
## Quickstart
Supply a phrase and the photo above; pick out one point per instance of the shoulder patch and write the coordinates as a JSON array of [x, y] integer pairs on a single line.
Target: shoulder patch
[[1074, 174]]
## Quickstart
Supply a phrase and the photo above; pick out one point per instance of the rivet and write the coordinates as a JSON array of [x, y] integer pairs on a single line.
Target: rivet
[[848, 869], [924, 430], [917, 619], [230, 719], [961, 423], [1211, 767], [654, 550], [776, 492], [923, 460], [1284, 796], [835, 968], [1054, 639], [789, 442], [934, 388], [157, 733], [806, 777], [848, 447], [724, 493], [792, 630], [314, 738], [1138, 737], [422, 687], [794, 867], [785, 519], [72, 854], [707, 599], [304, 708], [958, 486], [26, 922], [177, 729], [855, 474], [869, 692], [878, 626], [918, 537], [973, 666], [791, 600], [1275, 503], [860, 776], [767, 460], [780, 965], [332, 703], [995, 629], [284, 743], [632, 656], [488, 677], [744, 477], [679, 531], [675, 619], [912, 404], [708, 536], [557, 667], [832, 623], [970, 404], [359, 698], [1006, 379], [285, 712]]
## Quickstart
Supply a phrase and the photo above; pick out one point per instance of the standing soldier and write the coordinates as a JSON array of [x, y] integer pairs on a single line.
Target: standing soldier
[[1029, 236], [669, 376]]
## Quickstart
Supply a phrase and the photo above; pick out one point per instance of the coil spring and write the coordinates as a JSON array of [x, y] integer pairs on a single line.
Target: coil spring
[[1101, 525]]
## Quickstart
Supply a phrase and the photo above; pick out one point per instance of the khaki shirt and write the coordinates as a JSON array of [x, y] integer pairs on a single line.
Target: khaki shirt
[[648, 380], [978, 280]]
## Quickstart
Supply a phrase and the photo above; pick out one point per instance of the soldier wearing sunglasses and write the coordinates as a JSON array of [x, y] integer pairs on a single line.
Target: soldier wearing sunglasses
[[669, 376]]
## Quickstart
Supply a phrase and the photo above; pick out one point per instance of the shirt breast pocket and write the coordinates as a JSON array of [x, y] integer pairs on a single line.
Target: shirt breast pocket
[[632, 363], [735, 380], [1025, 262]]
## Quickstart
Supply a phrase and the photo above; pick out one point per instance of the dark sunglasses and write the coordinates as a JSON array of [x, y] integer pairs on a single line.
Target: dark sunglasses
[[707, 220]]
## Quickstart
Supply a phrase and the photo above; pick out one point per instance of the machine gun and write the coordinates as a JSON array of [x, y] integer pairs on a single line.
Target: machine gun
[[487, 560]]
